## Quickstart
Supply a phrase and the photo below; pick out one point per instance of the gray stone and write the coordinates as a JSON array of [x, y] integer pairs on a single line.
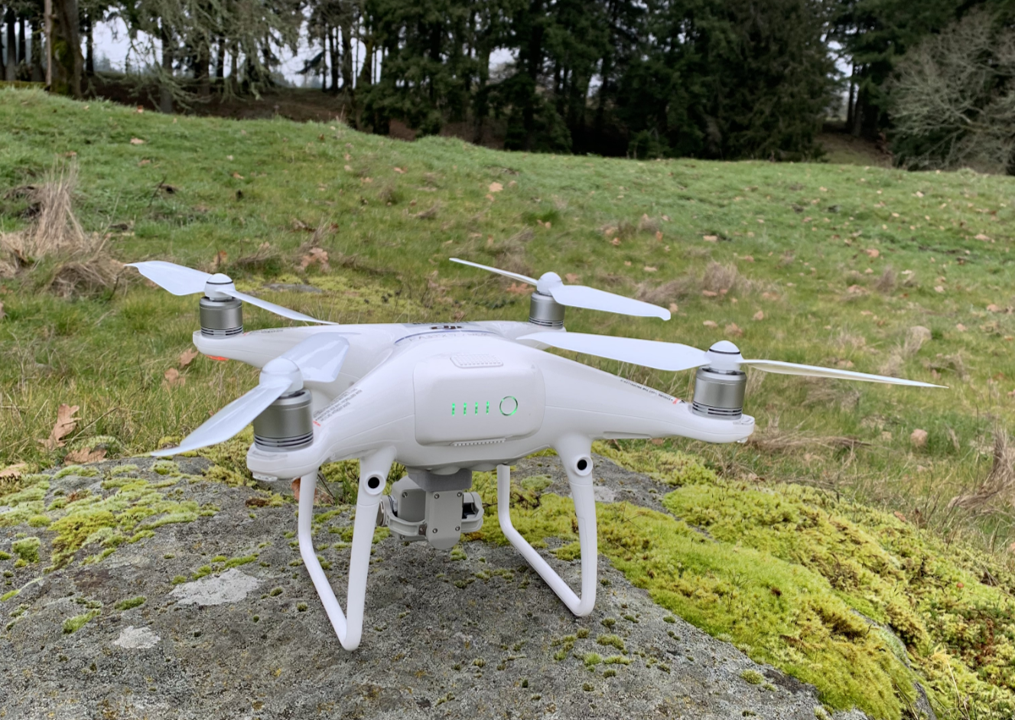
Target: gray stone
[[474, 637], [229, 587], [133, 638]]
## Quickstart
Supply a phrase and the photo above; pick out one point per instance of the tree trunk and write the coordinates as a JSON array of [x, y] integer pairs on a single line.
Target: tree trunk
[[333, 40], [89, 48], [38, 75], [166, 92], [220, 59], [67, 61], [22, 41], [12, 59], [346, 28]]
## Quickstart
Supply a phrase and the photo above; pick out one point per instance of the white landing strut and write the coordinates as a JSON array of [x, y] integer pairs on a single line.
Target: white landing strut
[[585, 509], [371, 485]]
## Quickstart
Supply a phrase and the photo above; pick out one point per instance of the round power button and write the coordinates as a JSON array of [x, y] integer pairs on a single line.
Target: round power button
[[508, 405]]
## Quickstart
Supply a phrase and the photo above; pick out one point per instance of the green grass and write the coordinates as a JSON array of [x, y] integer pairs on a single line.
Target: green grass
[[820, 263]]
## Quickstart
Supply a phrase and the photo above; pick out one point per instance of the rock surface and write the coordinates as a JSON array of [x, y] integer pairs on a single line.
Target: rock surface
[[446, 636]]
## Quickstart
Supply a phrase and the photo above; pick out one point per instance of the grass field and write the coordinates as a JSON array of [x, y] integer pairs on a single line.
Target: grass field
[[819, 263]]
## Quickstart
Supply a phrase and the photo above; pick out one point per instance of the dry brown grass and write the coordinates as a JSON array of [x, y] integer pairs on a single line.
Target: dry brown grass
[[998, 489], [54, 250], [773, 440]]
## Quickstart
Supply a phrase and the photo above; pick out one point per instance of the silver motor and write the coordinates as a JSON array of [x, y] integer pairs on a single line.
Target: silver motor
[[286, 424], [221, 318], [719, 393]]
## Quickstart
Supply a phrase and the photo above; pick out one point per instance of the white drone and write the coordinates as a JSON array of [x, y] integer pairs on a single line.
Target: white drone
[[447, 400]]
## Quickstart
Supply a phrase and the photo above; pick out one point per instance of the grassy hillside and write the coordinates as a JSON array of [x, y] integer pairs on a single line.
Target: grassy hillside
[[823, 264]]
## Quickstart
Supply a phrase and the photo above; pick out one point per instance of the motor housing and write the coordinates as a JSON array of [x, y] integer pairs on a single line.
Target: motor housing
[[719, 393], [221, 318], [286, 424]]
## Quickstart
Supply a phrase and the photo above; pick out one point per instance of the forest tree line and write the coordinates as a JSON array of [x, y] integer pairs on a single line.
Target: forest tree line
[[646, 78]]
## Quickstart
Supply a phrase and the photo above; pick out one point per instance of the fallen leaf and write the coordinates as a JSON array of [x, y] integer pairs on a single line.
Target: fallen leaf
[[872, 252], [938, 289], [710, 324], [993, 308], [144, 162], [13, 472], [220, 258], [748, 258], [709, 293], [140, 110], [65, 424], [348, 168], [615, 242], [769, 296], [173, 378], [982, 237], [400, 171], [496, 187], [649, 268], [710, 238], [187, 357], [519, 288], [855, 290], [960, 327], [136, 141], [659, 235], [760, 315], [733, 330], [316, 256], [674, 307], [899, 515], [918, 438], [84, 455], [238, 176], [918, 193], [489, 197], [572, 278]]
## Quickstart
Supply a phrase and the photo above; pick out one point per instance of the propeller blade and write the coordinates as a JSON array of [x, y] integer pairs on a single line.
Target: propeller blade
[[319, 357], [272, 307], [505, 273], [232, 418], [787, 368], [650, 353], [580, 296], [177, 279]]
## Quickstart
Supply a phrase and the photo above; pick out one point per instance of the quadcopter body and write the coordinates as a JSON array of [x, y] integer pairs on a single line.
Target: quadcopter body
[[445, 400]]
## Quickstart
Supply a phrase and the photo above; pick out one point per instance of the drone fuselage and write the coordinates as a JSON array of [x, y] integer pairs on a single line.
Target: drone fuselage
[[465, 395]]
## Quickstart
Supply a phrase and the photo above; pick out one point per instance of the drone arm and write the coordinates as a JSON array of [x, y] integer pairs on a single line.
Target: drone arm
[[373, 474], [575, 454]]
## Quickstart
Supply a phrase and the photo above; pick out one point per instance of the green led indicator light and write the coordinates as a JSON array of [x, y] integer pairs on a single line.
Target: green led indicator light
[[452, 409], [487, 407]]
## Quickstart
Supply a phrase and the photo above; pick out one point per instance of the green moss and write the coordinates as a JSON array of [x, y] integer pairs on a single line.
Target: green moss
[[537, 483], [27, 550], [237, 561], [8, 595], [591, 660], [612, 641], [123, 470], [130, 603], [4, 556], [617, 660], [38, 521], [73, 624], [78, 470], [753, 677], [166, 467]]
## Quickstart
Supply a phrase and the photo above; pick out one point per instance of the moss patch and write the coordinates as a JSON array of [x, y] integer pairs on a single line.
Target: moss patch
[[850, 600], [73, 624], [27, 550], [130, 603]]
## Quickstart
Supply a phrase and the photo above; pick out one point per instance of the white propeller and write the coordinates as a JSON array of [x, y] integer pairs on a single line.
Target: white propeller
[[317, 359], [180, 280], [674, 357], [580, 296]]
